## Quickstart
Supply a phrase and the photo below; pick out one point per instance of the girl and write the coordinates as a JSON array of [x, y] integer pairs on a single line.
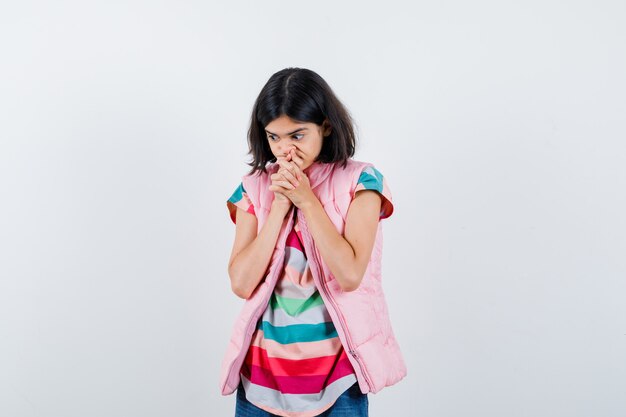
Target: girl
[[313, 337]]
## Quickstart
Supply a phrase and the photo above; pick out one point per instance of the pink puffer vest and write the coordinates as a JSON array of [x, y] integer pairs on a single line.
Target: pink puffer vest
[[360, 316]]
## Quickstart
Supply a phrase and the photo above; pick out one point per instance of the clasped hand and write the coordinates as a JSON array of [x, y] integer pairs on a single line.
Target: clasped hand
[[290, 181]]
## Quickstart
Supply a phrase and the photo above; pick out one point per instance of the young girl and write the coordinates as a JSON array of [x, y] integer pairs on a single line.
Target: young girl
[[313, 337]]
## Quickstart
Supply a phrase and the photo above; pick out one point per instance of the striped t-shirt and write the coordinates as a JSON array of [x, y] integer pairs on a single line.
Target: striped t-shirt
[[296, 365]]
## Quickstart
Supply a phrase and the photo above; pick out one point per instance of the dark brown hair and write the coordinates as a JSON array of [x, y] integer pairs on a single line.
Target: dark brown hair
[[304, 96]]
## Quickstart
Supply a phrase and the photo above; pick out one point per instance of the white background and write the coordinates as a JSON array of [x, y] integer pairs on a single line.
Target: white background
[[498, 125]]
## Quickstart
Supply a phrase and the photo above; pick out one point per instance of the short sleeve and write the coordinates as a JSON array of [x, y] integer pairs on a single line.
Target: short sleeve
[[240, 199], [372, 179]]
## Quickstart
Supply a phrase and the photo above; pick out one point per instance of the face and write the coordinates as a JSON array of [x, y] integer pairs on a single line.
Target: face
[[285, 133]]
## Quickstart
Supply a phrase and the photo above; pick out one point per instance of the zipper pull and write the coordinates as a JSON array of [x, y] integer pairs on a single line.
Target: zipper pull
[[353, 353]]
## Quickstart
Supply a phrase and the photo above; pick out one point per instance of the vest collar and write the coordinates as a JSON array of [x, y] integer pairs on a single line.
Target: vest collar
[[317, 172]]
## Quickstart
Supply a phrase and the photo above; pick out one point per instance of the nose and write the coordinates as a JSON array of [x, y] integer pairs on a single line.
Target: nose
[[286, 149]]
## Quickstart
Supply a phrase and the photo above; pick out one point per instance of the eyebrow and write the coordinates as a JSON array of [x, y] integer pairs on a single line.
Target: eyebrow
[[290, 133]]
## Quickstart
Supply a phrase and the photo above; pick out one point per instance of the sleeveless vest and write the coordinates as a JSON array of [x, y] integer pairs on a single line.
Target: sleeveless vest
[[360, 316]]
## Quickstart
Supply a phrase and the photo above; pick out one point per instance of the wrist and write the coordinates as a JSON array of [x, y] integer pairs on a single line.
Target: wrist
[[309, 205], [282, 208]]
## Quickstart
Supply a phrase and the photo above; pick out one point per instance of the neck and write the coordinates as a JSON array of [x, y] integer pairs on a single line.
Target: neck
[[312, 166]]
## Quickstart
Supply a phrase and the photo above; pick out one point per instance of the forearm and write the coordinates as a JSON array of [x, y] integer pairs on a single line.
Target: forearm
[[249, 266], [336, 251]]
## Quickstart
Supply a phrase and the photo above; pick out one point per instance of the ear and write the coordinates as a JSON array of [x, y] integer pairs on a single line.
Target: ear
[[327, 128]]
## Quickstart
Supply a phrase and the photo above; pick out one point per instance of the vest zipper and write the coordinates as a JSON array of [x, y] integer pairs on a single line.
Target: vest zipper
[[262, 306], [331, 299]]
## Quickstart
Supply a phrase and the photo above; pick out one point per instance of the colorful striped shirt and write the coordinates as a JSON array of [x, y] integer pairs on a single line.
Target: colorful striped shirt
[[296, 365]]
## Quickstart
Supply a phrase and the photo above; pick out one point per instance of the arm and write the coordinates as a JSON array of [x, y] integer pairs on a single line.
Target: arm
[[347, 257], [252, 253]]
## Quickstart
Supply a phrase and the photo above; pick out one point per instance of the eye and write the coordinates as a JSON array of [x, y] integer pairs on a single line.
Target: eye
[[271, 137], [298, 137]]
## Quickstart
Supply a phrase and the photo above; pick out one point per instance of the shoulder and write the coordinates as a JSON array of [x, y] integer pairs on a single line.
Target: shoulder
[[249, 193], [371, 178], [363, 173], [239, 198], [260, 176], [356, 165], [349, 174]]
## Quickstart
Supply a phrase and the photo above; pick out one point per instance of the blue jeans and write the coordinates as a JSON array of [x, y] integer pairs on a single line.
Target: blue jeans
[[352, 403]]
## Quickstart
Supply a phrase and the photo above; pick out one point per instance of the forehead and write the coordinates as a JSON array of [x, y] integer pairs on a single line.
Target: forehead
[[286, 125]]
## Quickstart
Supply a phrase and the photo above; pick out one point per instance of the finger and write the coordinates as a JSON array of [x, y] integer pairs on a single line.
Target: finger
[[284, 163], [278, 175], [276, 189], [297, 158], [289, 177], [296, 171], [285, 184], [292, 167], [286, 156]]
